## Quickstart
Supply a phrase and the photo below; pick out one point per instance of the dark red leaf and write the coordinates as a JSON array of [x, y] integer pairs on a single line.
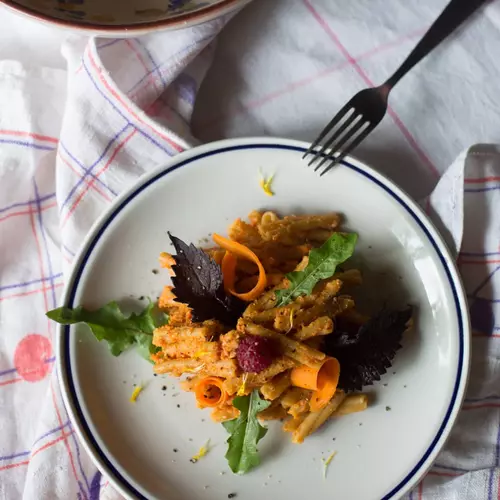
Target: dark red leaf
[[365, 352], [198, 283]]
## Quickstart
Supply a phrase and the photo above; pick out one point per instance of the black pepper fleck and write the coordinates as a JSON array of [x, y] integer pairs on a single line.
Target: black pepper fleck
[[387, 408], [404, 386], [193, 460], [333, 439], [385, 385], [155, 375], [231, 495], [164, 388], [141, 297], [175, 450], [155, 271]]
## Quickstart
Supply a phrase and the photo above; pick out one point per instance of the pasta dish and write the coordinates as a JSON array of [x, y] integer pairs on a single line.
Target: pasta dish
[[263, 325]]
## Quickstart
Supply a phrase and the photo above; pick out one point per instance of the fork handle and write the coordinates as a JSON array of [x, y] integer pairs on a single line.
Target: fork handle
[[454, 14]]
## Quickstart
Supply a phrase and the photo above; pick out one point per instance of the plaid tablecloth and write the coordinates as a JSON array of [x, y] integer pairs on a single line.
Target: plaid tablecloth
[[72, 139]]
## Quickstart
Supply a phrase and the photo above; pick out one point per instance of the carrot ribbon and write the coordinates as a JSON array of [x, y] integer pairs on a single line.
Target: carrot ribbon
[[235, 250], [210, 392], [323, 380]]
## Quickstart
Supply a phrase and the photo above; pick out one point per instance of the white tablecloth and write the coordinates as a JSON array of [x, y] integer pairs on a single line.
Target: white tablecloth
[[281, 67]]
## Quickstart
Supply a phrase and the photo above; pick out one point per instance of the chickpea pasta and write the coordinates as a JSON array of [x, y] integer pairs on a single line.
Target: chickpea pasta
[[287, 359], [263, 326]]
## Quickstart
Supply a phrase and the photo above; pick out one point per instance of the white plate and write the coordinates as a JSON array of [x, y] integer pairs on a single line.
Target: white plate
[[382, 452]]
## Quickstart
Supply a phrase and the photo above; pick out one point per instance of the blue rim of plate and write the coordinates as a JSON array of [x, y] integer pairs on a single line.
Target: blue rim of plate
[[104, 225]]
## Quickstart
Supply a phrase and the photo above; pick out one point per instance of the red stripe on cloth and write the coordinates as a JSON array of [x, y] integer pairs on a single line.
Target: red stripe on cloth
[[461, 260], [421, 489], [42, 270], [481, 406], [19, 133], [59, 420], [143, 64], [106, 166], [94, 186], [99, 74], [24, 294], [482, 180], [42, 267], [44, 447], [485, 335], [13, 381], [27, 212], [51, 443], [444, 474], [13, 466], [428, 205], [305, 81], [406, 133]]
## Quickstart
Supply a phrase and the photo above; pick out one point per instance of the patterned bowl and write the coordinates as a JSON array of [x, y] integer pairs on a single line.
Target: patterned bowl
[[123, 17]]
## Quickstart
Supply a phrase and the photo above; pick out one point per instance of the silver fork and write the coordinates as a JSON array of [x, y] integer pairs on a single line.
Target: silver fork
[[368, 107]]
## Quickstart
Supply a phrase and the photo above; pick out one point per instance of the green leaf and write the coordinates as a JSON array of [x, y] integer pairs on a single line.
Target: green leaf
[[109, 324], [322, 264], [246, 431]]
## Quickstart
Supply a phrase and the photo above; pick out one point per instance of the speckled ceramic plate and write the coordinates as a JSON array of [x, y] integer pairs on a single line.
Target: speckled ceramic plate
[[144, 448], [125, 18]]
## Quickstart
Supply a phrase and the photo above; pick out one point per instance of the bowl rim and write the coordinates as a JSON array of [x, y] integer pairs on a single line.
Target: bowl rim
[[181, 21], [432, 235]]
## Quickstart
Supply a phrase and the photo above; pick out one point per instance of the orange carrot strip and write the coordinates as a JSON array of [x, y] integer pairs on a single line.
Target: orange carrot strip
[[228, 266], [323, 380], [233, 251], [209, 392]]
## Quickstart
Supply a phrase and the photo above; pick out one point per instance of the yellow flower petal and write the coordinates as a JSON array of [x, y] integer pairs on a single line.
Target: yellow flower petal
[[265, 184], [327, 462], [136, 393], [243, 387], [200, 354], [201, 452]]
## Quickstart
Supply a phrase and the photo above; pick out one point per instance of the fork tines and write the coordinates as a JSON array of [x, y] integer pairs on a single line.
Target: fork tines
[[344, 132]]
